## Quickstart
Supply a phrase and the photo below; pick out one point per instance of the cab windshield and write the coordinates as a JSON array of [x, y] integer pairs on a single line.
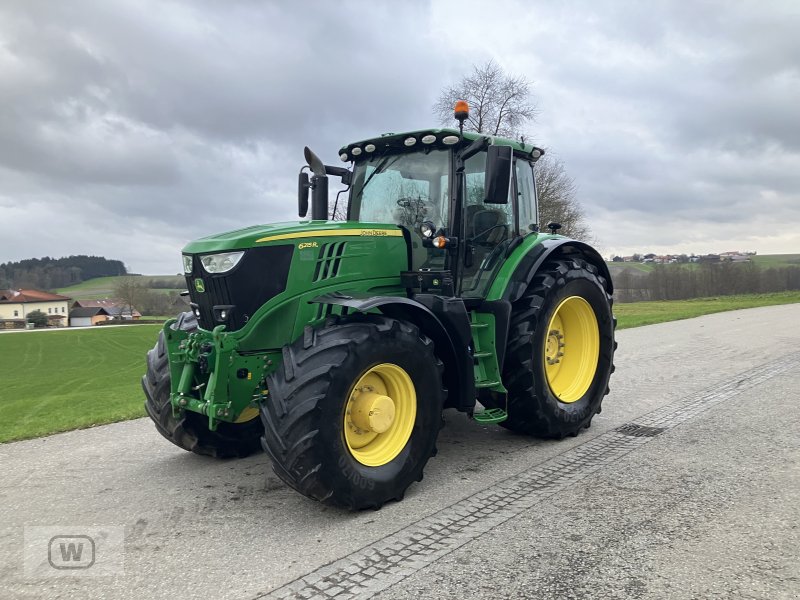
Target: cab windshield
[[405, 189]]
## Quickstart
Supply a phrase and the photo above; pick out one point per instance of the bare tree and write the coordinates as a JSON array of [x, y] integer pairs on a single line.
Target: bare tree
[[156, 304], [558, 198], [131, 292], [337, 206], [500, 104]]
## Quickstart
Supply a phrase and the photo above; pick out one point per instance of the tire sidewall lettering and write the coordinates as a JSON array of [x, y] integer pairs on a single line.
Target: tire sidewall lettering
[[353, 476]]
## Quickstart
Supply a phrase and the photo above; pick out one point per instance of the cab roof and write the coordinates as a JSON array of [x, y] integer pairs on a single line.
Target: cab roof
[[413, 140]]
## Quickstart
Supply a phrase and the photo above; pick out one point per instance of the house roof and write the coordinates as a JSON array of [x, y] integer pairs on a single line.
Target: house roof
[[27, 296], [112, 307], [92, 303], [116, 311], [87, 311]]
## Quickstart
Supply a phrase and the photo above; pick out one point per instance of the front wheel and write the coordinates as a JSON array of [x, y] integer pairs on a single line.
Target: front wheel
[[190, 430], [354, 411], [560, 351]]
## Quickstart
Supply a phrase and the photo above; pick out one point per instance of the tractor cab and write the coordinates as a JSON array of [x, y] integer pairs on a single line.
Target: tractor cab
[[461, 199]]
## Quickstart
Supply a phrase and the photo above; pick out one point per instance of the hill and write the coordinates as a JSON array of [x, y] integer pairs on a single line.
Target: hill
[[762, 260], [776, 260], [103, 287], [47, 273], [680, 281]]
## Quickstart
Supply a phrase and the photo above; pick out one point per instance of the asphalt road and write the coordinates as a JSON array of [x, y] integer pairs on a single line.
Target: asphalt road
[[686, 486]]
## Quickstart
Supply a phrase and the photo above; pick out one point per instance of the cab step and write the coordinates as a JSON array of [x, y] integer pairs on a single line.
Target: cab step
[[491, 416], [486, 384]]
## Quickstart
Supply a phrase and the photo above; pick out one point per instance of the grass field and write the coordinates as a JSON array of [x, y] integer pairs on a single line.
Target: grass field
[[59, 380], [103, 287], [777, 260], [644, 267], [70, 379], [636, 314]]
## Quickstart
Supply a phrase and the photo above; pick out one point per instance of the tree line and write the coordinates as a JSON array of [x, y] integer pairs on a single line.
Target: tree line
[[48, 273], [677, 282]]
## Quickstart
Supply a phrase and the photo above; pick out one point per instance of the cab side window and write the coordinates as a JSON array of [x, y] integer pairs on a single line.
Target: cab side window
[[488, 227], [526, 194]]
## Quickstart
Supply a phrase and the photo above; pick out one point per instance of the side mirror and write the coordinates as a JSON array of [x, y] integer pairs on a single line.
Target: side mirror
[[498, 174], [302, 194]]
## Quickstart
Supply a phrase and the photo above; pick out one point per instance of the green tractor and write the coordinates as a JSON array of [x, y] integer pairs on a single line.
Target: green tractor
[[336, 345]]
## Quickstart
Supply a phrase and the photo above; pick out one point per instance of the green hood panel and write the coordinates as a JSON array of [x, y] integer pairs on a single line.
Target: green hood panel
[[290, 232]]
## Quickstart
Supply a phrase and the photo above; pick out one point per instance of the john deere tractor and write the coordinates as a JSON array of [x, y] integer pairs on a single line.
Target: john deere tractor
[[336, 345]]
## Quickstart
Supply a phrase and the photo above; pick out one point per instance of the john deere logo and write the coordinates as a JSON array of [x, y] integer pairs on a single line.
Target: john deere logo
[[199, 285]]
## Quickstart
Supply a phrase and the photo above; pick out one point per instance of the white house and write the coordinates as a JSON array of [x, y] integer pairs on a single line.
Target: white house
[[15, 305]]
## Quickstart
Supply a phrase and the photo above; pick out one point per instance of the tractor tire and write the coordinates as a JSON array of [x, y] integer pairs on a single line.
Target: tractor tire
[[326, 427], [560, 353], [190, 430]]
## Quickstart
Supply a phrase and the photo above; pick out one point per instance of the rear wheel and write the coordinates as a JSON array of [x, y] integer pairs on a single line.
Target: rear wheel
[[560, 351], [354, 411], [190, 430]]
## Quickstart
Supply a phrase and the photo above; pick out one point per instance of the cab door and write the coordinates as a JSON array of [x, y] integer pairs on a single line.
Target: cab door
[[489, 229]]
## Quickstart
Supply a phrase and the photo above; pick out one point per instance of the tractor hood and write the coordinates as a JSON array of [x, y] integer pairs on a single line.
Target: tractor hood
[[285, 261], [289, 232]]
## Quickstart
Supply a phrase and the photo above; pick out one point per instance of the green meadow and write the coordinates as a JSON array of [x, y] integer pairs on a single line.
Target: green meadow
[[61, 379], [58, 380]]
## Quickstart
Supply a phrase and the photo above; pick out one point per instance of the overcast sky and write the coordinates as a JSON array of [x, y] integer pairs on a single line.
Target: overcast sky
[[129, 128]]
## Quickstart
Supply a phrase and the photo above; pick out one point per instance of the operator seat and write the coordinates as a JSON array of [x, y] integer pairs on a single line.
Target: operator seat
[[488, 225]]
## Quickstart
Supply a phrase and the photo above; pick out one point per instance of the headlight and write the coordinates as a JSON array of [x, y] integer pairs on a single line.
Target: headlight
[[221, 263], [427, 229], [187, 264]]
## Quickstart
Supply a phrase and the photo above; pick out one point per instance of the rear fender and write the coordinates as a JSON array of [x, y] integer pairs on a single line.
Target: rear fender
[[534, 257]]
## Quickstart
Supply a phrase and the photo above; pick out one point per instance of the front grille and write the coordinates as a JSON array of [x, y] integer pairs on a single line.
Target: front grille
[[259, 276]]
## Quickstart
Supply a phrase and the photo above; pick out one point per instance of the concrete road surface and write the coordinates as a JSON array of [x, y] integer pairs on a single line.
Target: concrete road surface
[[686, 486]]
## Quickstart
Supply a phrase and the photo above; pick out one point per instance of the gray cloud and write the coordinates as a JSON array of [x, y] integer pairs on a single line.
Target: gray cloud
[[128, 128]]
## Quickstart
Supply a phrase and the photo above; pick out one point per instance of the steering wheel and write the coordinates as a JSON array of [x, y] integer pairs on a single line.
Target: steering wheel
[[409, 202], [414, 210]]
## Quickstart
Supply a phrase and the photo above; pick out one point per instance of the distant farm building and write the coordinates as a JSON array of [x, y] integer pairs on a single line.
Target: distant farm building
[[115, 310], [87, 316], [16, 305]]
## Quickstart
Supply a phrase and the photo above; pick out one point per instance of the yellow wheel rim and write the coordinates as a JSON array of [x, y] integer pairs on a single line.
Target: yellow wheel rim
[[380, 414], [571, 349]]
